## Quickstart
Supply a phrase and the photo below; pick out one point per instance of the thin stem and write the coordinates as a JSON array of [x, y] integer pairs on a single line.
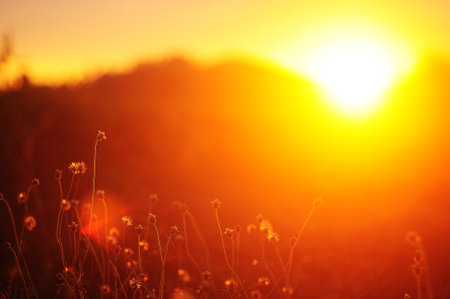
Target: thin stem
[[225, 251], [161, 281], [70, 186], [188, 252], [291, 252], [19, 248], [117, 275], [93, 190], [106, 235], [202, 239], [419, 287], [139, 253], [18, 266]]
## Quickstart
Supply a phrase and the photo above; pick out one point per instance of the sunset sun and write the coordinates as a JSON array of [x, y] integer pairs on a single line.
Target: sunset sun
[[355, 73]]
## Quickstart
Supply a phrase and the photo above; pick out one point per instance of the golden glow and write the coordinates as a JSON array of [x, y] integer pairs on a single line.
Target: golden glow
[[353, 73], [354, 63]]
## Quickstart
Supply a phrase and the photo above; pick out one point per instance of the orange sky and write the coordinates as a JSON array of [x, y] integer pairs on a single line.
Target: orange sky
[[59, 40]]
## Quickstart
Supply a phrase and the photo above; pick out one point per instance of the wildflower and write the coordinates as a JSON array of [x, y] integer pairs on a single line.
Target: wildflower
[[416, 269], [259, 218], [74, 203], [128, 252], [112, 240], [255, 294], [237, 228], [144, 277], [105, 289], [206, 275], [183, 209], [117, 250], [174, 230], [318, 201], [176, 205], [101, 136], [127, 220], [263, 281], [65, 204], [418, 256], [78, 167], [100, 194], [135, 283], [35, 182], [230, 283], [58, 174], [251, 228], [22, 198], [139, 229], [229, 232], [30, 223], [179, 238], [144, 245], [413, 239], [152, 218], [184, 275], [216, 204], [73, 227], [131, 264], [153, 198], [114, 232], [287, 290]]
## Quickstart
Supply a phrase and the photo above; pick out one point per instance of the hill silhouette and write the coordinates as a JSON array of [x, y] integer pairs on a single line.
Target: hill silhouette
[[263, 141]]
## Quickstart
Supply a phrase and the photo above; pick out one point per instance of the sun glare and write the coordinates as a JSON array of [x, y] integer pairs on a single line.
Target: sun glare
[[355, 73]]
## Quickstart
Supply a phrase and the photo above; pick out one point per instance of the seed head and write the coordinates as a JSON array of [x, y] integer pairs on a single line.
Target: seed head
[[251, 228], [153, 198], [101, 135], [73, 226], [206, 275], [263, 281], [35, 182], [152, 218], [318, 201], [144, 277], [58, 174], [30, 223], [22, 198], [255, 294], [100, 194], [216, 204], [127, 220], [114, 232], [229, 232], [65, 205], [139, 229], [128, 252], [237, 228], [173, 230], [105, 289], [416, 269]]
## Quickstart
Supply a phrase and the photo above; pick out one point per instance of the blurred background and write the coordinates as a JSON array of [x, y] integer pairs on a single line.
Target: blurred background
[[211, 99]]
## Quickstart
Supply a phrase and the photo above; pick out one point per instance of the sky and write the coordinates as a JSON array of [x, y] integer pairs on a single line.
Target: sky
[[59, 40]]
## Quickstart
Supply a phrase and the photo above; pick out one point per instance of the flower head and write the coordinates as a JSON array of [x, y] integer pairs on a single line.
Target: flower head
[[229, 232], [174, 230], [35, 182], [135, 283], [127, 220], [100, 194], [73, 226], [58, 174], [216, 204], [152, 218], [65, 205], [101, 135], [78, 167], [255, 294], [105, 289], [30, 223], [114, 232], [22, 198], [318, 201], [139, 229]]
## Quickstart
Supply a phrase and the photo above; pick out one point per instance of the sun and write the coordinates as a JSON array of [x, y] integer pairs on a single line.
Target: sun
[[355, 72]]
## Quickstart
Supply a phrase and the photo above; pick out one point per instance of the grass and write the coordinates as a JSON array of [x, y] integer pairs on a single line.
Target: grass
[[96, 260]]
